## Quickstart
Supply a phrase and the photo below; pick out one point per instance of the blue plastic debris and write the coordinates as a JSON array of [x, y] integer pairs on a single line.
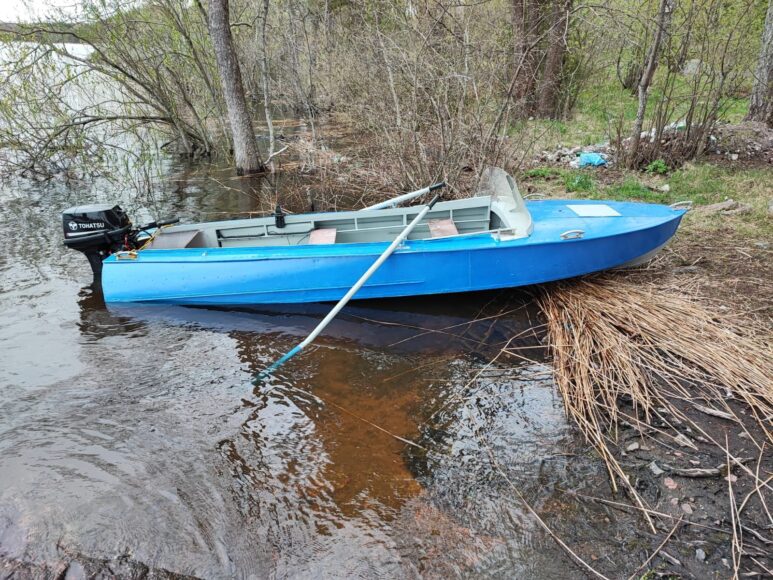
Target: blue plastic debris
[[591, 160]]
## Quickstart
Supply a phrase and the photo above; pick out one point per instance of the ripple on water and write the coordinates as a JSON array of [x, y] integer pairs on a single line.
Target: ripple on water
[[138, 431]]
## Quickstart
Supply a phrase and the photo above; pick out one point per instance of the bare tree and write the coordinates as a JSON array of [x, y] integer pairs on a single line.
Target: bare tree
[[761, 100], [246, 154], [431, 86], [120, 73], [661, 31]]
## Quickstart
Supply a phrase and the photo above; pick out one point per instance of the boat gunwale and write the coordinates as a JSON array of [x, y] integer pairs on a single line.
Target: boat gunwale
[[444, 244], [213, 299]]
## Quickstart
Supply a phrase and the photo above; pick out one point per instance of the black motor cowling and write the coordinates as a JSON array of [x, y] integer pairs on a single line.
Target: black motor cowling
[[97, 231]]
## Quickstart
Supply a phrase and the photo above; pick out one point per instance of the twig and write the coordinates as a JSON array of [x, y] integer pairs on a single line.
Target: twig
[[737, 545], [540, 521], [658, 549], [275, 153], [372, 424]]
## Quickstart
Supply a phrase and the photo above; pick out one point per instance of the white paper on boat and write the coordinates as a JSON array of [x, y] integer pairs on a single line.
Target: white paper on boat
[[593, 210]]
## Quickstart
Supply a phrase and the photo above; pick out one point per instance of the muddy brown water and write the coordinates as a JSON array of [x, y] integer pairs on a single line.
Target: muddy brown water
[[137, 433]]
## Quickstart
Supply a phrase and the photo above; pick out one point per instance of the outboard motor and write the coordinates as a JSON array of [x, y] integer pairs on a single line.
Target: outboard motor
[[97, 231]]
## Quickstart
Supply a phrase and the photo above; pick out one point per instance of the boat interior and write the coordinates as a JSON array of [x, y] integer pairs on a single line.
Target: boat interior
[[497, 207]]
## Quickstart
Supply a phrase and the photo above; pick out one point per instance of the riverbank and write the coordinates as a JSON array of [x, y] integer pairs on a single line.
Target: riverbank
[[711, 511]]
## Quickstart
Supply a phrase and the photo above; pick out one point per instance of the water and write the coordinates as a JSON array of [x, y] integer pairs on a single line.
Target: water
[[136, 433]]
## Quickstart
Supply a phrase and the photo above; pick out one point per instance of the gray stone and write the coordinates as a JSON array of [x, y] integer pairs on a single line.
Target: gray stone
[[632, 447], [739, 209], [700, 555], [75, 571], [726, 205], [687, 508], [655, 469]]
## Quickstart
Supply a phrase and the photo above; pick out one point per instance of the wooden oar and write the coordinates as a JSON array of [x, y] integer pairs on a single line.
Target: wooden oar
[[352, 291]]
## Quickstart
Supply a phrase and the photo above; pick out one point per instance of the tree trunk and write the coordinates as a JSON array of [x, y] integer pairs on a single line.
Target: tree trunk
[[550, 84], [526, 19], [246, 154], [761, 100], [661, 31]]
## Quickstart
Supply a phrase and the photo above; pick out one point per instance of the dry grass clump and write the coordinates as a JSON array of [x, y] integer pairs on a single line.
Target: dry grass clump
[[663, 352]]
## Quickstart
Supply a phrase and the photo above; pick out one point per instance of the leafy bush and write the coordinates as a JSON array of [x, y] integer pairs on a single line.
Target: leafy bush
[[657, 167]]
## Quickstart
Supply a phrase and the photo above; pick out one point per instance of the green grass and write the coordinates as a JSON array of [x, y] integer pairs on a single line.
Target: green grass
[[542, 173], [632, 189], [657, 167], [579, 181], [735, 110], [705, 184], [701, 183]]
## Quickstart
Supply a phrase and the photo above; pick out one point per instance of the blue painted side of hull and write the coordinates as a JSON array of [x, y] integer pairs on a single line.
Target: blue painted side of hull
[[242, 276]]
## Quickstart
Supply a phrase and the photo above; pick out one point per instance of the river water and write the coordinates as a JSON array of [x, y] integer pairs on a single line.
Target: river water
[[392, 448]]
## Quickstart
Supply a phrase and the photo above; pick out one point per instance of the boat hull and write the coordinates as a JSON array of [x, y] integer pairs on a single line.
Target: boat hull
[[276, 275]]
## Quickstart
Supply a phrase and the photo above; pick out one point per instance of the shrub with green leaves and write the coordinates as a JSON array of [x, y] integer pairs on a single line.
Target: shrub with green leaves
[[657, 167]]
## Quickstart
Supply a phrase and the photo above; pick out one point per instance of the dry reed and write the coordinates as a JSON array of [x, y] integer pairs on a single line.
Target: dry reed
[[617, 343]]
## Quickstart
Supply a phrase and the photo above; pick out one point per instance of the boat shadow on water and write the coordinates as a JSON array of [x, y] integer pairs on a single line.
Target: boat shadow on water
[[473, 323]]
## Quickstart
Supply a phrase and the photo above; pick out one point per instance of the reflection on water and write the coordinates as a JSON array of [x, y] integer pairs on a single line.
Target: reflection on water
[[137, 431]]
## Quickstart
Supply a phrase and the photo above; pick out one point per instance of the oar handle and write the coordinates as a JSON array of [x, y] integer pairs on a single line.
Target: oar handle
[[395, 201], [436, 198]]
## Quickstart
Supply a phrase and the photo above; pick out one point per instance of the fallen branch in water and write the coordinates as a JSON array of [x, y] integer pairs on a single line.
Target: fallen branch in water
[[276, 153]]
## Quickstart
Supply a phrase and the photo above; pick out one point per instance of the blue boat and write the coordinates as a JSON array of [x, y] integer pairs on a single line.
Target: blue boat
[[492, 240]]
